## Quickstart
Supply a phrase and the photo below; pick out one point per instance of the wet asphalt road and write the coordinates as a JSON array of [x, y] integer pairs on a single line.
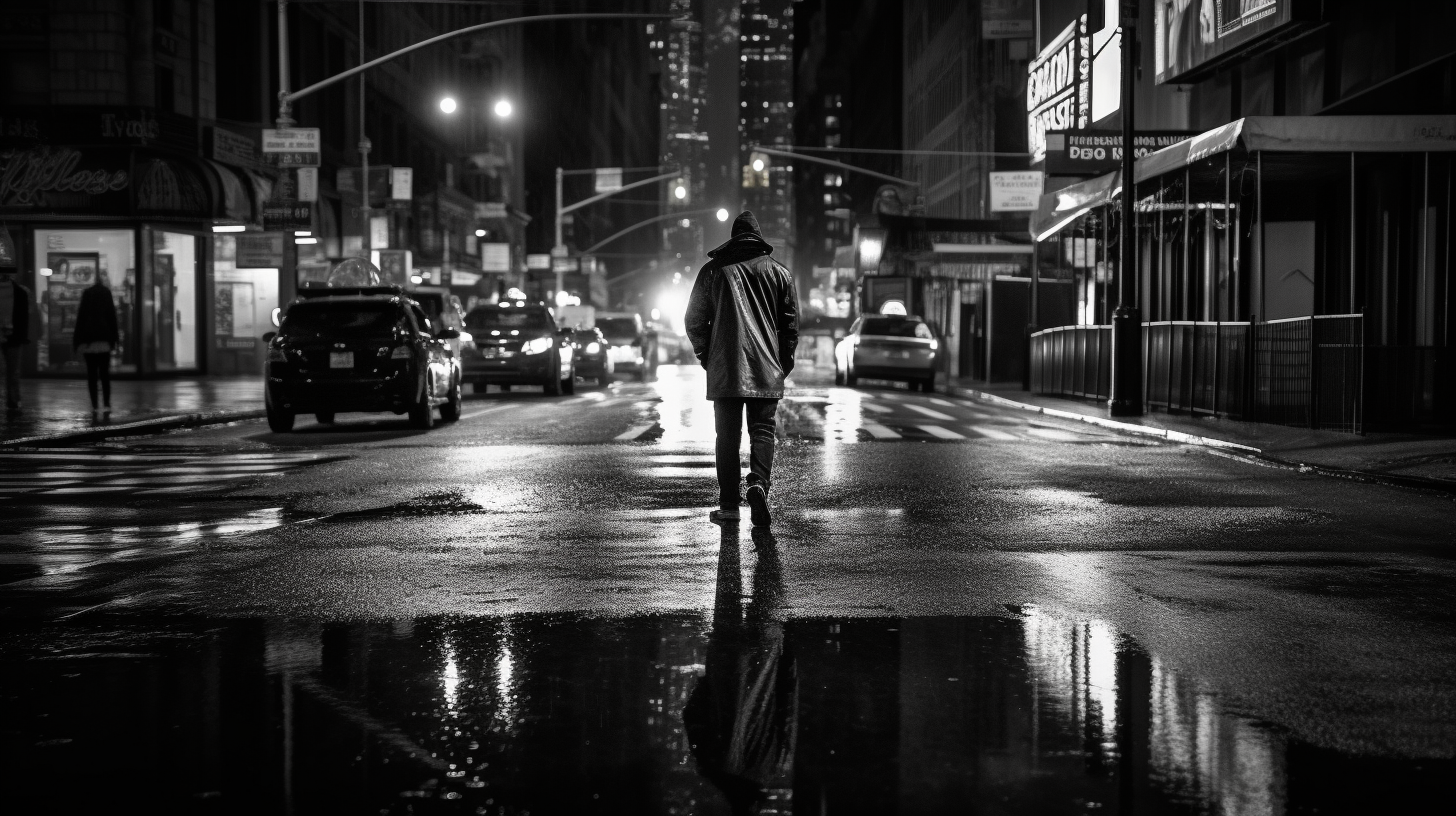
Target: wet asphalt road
[[960, 608]]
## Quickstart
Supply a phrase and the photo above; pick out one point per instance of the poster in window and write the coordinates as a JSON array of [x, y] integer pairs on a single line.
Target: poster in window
[[1189, 34]]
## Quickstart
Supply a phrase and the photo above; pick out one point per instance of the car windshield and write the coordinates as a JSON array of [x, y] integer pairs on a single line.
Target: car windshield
[[895, 327], [325, 319], [498, 319], [617, 326]]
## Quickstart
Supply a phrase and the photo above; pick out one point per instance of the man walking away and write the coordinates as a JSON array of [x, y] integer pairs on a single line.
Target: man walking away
[[743, 321]]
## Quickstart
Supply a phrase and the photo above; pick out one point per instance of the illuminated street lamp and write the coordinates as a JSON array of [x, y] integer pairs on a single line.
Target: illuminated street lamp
[[503, 108], [722, 213], [758, 165], [447, 104]]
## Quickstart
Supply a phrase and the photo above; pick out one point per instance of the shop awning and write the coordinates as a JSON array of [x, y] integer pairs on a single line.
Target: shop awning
[[1283, 134]]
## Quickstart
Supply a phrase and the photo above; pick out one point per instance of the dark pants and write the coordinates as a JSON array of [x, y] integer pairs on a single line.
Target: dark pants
[[98, 369], [728, 421]]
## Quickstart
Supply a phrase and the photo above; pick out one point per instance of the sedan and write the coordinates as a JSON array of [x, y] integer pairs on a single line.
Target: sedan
[[888, 347]]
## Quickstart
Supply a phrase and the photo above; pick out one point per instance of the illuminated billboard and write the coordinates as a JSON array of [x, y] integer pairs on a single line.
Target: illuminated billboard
[[1193, 34], [1059, 86]]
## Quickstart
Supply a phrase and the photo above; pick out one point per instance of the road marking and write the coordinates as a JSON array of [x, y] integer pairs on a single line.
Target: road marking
[[635, 431], [939, 432], [992, 433], [946, 403], [880, 431], [879, 409], [487, 410], [930, 413]]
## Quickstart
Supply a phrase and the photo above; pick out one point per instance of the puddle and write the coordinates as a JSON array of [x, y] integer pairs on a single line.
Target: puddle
[[730, 711]]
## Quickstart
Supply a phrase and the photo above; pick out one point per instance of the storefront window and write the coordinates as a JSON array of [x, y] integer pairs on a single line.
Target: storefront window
[[244, 300], [70, 261], [174, 299]]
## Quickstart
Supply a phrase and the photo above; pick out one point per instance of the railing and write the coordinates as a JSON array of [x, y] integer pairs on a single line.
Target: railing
[[1072, 360], [1305, 371]]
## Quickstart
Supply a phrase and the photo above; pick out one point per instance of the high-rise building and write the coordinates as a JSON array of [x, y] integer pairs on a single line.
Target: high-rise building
[[679, 48], [766, 116]]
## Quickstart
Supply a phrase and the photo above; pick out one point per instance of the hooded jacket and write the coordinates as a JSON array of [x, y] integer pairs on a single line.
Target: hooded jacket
[[743, 317]]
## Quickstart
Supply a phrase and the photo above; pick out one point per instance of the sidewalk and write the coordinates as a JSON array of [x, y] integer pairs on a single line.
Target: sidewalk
[[55, 407], [1419, 460]]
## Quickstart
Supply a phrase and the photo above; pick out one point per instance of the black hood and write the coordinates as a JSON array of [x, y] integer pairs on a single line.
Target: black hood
[[747, 242]]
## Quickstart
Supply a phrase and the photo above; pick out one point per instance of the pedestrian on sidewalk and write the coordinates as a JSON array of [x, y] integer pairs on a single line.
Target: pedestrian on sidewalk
[[15, 329], [95, 338], [743, 321]]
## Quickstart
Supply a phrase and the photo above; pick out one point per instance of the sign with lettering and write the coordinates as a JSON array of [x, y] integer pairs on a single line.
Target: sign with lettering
[[490, 209], [295, 147], [1007, 19], [538, 261], [230, 148], [287, 215], [401, 183], [608, 179], [1094, 152], [307, 183], [1016, 191], [260, 250], [1190, 39], [1059, 86], [495, 257], [28, 177]]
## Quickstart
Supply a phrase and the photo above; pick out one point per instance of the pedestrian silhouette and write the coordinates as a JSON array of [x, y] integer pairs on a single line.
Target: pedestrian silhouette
[[742, 717], [95, 338], [743, 321]]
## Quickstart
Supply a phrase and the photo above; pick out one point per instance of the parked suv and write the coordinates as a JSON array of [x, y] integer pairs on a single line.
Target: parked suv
[[359, 349], [518, 344]]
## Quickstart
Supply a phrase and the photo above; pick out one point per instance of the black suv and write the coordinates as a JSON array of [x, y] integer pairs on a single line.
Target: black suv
[[518, 344], [359, 349]]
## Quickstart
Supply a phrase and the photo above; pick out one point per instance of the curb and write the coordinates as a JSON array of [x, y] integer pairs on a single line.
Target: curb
[[141, 427], [1245, 453]]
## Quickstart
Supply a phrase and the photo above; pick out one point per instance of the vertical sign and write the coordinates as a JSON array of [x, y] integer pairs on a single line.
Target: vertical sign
[[308, 184], [401, 183], [1059, 87]]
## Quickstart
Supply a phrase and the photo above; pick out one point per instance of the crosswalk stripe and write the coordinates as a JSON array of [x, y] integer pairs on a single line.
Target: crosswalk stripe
[[878, 409], [992, 433], [933, 414], [946, 403], [80, 474], [939, 432], [635, 431], [880, 431]]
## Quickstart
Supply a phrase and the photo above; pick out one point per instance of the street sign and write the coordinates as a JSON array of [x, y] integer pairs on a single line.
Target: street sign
[[538, 261], [230, 148], [308, 183], [1017, 191], [260, 250], [401, 183], [609, 179], [297, 147], [495, 257], [287, 215], [565, 264]]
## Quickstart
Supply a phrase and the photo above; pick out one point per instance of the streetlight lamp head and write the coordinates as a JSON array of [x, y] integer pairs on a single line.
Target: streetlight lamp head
[[722, 214], [480, 233], [758, 165], [447, 104], [681, 192], [503, 108]]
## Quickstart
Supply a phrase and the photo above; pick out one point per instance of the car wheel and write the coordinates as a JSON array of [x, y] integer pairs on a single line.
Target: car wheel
[[280, 420], [324, 417], [422, 414], [450, 411]]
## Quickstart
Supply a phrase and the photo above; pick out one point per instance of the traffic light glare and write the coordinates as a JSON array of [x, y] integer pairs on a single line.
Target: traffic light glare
[[447, 105]]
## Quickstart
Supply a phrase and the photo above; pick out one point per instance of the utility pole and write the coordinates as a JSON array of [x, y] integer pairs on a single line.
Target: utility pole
[[1126, 398], [364, 147]]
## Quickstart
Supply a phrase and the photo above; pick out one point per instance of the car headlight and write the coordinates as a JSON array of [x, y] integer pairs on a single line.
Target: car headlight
[[540, 345], [277, 355], [402, 353], [593, 347], [466, 337], [934, 344]]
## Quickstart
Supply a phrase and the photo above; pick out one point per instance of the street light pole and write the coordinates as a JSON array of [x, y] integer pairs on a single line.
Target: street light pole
[[366, 239], [1126, 394], [559, 249]]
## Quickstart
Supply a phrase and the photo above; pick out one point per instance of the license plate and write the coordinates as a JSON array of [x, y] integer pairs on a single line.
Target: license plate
[[341, 359]]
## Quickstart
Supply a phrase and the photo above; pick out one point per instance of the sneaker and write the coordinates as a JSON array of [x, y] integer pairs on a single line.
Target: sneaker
[[758, 503], [726, 514]]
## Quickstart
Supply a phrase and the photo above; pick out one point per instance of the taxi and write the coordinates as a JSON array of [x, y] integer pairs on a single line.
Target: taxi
[[888, 347]]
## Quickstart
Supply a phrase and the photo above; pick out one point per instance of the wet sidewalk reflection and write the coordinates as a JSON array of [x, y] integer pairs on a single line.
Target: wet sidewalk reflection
[[729, 712]]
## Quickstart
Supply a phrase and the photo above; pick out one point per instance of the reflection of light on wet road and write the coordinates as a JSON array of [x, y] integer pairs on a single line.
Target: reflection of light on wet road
[[450, 678], [685, 414]]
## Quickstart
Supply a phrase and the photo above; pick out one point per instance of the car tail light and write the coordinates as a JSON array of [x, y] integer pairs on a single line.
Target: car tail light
[[402, 353], [593, 347]]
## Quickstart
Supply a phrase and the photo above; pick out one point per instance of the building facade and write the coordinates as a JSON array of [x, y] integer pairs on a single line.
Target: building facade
[[131, 150], [766, 117]]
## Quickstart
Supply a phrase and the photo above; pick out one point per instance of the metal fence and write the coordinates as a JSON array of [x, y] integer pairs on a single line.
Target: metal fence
[[1075, 361], [1305, 371]]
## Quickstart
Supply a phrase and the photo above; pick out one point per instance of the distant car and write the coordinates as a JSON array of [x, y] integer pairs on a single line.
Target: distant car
[[359, 349], [632, 347], [517, 343], [592, 360], [888, 347]]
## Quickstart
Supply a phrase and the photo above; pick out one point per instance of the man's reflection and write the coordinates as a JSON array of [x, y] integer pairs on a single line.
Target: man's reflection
[[742, 717]]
